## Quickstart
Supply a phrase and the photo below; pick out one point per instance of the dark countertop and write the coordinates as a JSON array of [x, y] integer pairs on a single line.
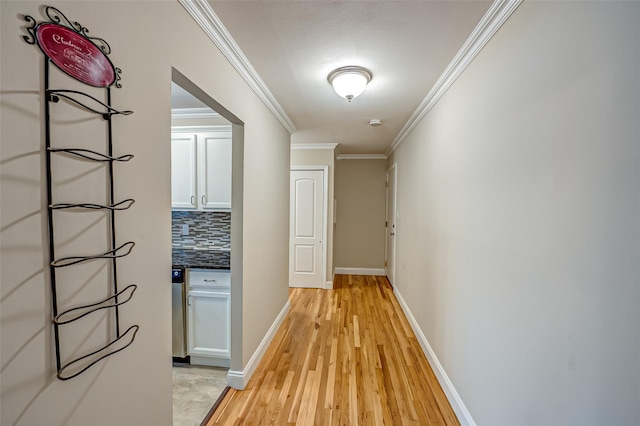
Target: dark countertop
[[202, 259], [199, 266]]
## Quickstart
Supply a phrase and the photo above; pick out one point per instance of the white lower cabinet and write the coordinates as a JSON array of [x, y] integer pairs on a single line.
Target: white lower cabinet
[[209, 318], [209, 315]]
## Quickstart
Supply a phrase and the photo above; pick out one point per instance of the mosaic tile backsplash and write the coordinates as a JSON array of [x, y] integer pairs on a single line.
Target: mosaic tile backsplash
[[208, 244]]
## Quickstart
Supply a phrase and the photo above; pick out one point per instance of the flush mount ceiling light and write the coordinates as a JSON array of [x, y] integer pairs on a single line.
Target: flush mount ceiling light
[[349, 82]]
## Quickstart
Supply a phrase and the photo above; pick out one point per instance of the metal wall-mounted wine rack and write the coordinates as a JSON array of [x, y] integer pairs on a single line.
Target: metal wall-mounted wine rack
[[67, 45]]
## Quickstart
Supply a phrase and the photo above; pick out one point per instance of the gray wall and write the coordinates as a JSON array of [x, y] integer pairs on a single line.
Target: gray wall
[[519, 220], [360, 195], [134, 386]]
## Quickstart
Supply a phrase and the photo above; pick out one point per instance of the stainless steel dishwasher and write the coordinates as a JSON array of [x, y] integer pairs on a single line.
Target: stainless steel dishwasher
[[178, 313]]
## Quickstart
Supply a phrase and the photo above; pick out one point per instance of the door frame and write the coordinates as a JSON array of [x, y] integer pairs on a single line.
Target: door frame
[[393, 169], [325, 214], [237, 213]]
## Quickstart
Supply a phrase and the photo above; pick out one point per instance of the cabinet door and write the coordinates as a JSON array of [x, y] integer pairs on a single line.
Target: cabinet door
[[209, 320], [215, 170], [183, 171]]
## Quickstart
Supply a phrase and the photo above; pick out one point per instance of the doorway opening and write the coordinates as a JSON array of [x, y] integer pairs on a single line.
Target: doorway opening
[[206, 198]]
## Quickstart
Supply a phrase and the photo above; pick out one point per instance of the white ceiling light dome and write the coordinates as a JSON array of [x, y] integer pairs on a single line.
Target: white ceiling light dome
[[349, 82]]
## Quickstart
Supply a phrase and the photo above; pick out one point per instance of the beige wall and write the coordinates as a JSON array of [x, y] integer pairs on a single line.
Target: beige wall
[[134, 386], [360, 213], [520, 196], [320, 157]]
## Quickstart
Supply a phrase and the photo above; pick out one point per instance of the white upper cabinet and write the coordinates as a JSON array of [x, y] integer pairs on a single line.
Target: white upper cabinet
[[215, 170], [201, 169], [183, 171]]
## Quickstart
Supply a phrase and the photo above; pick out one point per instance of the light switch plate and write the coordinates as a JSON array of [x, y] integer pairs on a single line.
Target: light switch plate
[[185, 229]]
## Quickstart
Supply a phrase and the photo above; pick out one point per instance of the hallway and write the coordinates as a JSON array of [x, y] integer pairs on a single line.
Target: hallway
[[342, 356]]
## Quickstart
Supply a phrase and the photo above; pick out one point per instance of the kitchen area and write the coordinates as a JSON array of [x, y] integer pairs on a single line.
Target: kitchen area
[[201, 287], [201, 145]]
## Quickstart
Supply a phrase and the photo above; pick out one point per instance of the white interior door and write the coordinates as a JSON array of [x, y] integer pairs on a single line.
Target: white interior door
[[390, 250], [306, 228]]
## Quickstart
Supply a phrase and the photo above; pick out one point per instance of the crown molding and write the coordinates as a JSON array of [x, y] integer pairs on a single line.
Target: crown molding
[[193, 113], [362, 157], [206, 18], [497, 14], [331, 146]]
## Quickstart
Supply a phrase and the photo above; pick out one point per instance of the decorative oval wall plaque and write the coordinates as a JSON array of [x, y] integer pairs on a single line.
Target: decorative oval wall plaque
[[75, 55]]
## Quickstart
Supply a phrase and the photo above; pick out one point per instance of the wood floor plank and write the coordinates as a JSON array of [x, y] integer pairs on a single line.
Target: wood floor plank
[[333, 359], [345, 356]]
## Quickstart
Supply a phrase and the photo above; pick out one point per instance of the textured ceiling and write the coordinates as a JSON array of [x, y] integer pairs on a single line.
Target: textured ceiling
[[293, 45]]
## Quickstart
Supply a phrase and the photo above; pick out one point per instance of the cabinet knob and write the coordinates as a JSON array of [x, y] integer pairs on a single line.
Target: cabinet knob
[[203, 200], [193, 200]]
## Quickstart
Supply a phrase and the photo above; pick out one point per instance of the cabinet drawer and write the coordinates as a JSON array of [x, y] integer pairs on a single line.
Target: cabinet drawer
[[209, 278]]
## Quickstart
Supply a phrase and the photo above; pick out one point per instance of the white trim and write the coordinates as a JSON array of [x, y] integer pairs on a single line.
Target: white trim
[[201, 129], [239, 379], [325, 215], [314, 146], [497, 14], [360, 271], [362, 157], [328, 285], [204, 15], [394, 169], [236, 379], [194, 113], [452, 395]]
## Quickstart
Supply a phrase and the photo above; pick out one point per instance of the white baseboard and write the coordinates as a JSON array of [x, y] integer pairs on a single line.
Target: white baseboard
[[235, 379], [239, 379], [360, 271], [452, 395], [328, 285]]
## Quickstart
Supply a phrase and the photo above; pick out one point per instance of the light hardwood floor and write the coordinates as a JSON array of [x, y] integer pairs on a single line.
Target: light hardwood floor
[[345, 356]]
